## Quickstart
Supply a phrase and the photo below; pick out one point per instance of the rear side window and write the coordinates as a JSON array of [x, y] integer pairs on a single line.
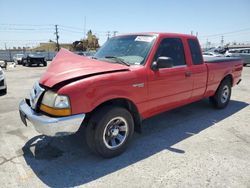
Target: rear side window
[[195, 51], [171, 47]]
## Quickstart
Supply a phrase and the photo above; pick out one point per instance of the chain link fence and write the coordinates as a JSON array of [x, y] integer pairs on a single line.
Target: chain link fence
[[9, 54]]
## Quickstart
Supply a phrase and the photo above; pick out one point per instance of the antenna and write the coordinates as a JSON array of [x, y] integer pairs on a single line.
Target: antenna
[[84, 27]]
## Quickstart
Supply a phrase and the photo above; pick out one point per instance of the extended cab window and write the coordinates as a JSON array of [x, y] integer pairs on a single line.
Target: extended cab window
[[171, 47], [195, 51]]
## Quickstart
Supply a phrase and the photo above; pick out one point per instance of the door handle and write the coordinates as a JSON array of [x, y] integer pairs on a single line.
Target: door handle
[[188, 73]]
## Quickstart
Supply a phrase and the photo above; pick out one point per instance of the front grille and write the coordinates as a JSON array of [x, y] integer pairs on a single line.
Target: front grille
[[2, 83], [35, 94]]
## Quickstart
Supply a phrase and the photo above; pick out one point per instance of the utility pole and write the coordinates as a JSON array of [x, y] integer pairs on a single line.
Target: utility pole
[[114, 33], [222, 41], [8, 50], [57, 37], [108, 34], [191, 32]]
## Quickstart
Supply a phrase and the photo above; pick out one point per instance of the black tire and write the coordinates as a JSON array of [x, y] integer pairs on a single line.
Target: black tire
[[26, 64], [101, 123], [45, 64], [222, 96], [3, 92]]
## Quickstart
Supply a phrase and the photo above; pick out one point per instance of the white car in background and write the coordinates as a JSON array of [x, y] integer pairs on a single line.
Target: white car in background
[[212, 54], [18, 58], [3, 64], [243, 53], [3, 86]]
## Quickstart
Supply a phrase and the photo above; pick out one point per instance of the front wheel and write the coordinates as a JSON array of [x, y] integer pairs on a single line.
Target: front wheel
[[222, 96], [109, 131]]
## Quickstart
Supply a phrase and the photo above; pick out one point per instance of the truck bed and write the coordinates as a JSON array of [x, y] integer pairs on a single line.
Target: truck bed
[[219, 67], [220, 59]]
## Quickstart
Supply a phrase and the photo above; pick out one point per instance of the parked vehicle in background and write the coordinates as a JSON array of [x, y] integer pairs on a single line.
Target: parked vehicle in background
[[243, 53], [18, 58], [3, 85], [85, 53], [131, 78], [90, 53], [34, 59], [3, 64], [212, 54]]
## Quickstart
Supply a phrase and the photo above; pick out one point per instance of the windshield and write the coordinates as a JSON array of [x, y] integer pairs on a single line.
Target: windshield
[[132, 49]]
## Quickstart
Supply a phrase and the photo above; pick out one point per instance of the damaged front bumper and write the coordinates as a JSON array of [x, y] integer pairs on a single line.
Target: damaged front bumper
[[50, 126]]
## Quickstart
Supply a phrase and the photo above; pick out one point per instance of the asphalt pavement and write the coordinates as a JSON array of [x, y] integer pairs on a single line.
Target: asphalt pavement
[[192, 146]]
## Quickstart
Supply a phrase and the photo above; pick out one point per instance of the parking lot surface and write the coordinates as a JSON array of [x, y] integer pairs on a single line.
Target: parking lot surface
[[192, 146]]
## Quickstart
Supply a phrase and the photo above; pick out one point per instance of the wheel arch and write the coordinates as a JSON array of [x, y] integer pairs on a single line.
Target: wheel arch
[[228, 77], [121, 102]]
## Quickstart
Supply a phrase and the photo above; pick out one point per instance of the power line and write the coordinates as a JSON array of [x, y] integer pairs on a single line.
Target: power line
[[24, 29], [71, 27], [226, 33], [32, 25], [71, 31], [78, 29]]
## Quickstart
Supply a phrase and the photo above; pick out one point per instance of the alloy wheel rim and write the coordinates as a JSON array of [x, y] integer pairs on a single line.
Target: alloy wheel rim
[[115, 132], [225, 94]]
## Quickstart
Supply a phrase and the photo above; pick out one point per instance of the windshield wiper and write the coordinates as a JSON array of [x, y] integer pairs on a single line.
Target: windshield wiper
[[118, 60]]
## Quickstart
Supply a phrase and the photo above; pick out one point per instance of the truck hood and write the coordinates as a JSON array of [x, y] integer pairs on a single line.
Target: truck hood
[[67, 66]]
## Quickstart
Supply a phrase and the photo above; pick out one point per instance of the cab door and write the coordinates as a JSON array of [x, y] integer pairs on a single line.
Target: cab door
[[169, 87], [198, 68]]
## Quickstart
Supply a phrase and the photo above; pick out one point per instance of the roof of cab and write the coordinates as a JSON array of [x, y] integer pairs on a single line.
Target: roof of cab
[[163, 34]]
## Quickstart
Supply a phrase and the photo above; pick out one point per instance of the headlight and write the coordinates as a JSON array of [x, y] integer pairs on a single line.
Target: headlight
[[49, 98], [62, 101], [55, 104]]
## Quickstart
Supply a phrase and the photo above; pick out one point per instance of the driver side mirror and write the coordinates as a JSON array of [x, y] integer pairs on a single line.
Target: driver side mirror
[[162, 62]]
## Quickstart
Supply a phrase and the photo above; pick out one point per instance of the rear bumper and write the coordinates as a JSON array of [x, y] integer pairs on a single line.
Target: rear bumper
[[50, 126]]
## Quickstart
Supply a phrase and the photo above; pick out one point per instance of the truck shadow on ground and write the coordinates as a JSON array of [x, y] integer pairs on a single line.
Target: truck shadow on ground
[[67, 162]]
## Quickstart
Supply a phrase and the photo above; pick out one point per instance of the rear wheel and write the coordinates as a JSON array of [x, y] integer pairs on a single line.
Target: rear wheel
[[223, 94], [109, 131]]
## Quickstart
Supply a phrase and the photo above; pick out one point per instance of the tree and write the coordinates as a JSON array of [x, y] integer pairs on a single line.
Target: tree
[[90, 43], [79, 46]]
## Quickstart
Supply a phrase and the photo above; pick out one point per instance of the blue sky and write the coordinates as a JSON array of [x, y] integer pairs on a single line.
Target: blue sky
[[28, 22]]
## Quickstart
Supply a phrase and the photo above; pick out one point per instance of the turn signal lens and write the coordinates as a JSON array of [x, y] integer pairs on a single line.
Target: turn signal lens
[[55, 111]]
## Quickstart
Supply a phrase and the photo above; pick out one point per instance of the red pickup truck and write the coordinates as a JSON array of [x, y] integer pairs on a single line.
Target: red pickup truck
[[131, 78]]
